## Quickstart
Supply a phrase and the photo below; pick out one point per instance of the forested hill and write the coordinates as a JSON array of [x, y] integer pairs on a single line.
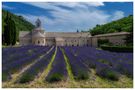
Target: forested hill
[[20, 23], [122, 25]]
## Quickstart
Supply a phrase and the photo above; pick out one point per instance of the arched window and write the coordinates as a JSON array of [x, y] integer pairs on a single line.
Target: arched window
[[38, 42]]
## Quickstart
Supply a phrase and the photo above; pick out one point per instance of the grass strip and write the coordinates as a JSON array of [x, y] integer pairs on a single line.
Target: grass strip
[[69, 70], [46, 71]]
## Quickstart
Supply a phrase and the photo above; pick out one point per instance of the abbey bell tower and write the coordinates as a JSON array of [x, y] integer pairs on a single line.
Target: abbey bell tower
[[38, 34], [38, 23]]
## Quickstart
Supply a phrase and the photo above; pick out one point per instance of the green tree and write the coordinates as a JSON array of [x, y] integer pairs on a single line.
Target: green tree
[[13, 33], [125, 24], [77, 30], [9, 31], [111, 30], [20, 23]]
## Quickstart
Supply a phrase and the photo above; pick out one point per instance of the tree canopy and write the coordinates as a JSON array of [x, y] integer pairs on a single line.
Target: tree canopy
[[10, 32], [125, 24], [20, 23]]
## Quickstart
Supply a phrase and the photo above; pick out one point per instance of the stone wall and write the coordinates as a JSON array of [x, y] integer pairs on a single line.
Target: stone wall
[[25, 41], [72, 41], [115, 39], [50, 41]]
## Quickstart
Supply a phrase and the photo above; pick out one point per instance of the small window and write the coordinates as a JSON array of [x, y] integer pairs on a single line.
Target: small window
[[38, 42]]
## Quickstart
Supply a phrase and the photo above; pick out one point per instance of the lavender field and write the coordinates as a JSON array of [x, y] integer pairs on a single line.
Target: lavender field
[[69, 67]]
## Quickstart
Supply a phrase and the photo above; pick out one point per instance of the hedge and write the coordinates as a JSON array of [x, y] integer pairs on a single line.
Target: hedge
[[102, 41], [117, 48]]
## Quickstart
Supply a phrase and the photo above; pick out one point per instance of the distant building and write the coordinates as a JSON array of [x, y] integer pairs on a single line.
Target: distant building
[[39, 37]]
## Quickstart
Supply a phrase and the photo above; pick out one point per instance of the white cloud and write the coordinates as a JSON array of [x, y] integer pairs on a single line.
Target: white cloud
[[71, 20], [54, 6], [81, 18], [45, 5], [7, 7], [96, 4], [80, 4], [117, 15]]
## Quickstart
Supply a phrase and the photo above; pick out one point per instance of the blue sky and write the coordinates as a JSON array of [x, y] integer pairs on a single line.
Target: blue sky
[[70, 16]]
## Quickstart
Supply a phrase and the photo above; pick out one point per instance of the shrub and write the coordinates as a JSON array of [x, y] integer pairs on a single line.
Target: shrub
[[117, 48], [82, 75], [92, 65], [126, 69], [54, 77], [105, 62], [26, 78], [112, 75], [103, 42], [5, 76], [108, 73]]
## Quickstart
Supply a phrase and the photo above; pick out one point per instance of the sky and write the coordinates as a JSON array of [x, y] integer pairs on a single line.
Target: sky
[[70, 16]]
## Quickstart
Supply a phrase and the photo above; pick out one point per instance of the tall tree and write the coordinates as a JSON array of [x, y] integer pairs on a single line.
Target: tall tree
[[77, 30], [7, 36], [20, 23], [9, 31], [14, 33]]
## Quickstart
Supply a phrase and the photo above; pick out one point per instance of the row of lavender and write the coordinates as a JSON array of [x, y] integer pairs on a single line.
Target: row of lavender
[[81, 60], [36, 69], [79, 70], [107, 64], [15, 59], [58, 71]]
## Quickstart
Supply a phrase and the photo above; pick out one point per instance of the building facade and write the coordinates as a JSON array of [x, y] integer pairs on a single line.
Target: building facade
[[38, 36]]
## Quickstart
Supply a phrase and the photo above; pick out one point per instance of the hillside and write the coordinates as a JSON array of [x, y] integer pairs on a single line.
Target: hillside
[[20, 22], [125, 24]]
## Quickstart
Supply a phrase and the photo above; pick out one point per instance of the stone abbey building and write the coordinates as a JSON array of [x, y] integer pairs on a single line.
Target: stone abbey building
[[38, 36]]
